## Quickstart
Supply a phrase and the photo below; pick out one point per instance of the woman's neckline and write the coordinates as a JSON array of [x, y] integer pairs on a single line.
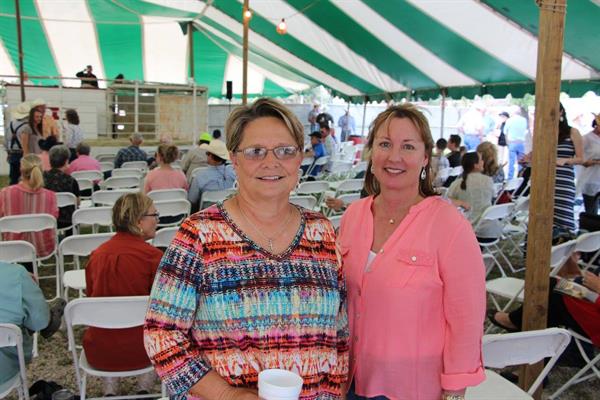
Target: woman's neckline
[[291, 247]]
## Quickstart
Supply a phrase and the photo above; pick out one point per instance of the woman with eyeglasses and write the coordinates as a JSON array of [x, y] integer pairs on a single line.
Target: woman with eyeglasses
[[254, 282], [125, 265]]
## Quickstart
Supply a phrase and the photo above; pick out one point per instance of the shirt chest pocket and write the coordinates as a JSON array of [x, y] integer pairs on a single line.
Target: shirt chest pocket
[[409, 265]]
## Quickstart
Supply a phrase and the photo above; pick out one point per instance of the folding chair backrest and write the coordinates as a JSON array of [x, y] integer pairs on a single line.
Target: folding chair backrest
[[173, 207], [513, 184], [443, 174], [168, 194], [93, 216], [308, 202], [560, 254], [106, 157], [18, 251], [91, 175], [340, 167], [85, 184], [106, 166], [27, 223], [360, 167], [164, 236], [82, 245], [349, 198], [588, 242], [496, 212], [64, 199], [350, 185], [11, 336], [143, 165], [214, 196], [106, 312], [456, 171], [109, 197], [196, 170], [508, 349], [314, 187], [521, 204], [122, 182], [120, 172]]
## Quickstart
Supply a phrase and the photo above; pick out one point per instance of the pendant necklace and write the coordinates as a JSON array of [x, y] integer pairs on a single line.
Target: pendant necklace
[[268, 239]]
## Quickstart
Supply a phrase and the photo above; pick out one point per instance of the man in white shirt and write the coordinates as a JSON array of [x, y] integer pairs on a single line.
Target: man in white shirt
[[515, 131]]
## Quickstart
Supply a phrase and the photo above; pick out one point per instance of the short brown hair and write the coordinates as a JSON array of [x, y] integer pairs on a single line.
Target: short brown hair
[[411, 112], [489, 153], [263, 107], [168, 153], [128, 210]]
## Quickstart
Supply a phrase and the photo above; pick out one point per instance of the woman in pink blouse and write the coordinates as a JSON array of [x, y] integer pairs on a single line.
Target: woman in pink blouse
[[30, 197], [414, 272], [165, 176]]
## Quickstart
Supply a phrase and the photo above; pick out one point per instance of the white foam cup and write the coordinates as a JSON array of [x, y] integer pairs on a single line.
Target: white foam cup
[[279, 384]]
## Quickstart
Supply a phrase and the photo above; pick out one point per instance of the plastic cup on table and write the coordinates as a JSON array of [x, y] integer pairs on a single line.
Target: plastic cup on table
[[279, 384]]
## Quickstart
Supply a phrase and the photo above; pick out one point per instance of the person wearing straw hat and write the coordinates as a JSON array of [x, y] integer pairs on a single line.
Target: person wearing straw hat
[[196, 157], [12, 143], [218, 176]]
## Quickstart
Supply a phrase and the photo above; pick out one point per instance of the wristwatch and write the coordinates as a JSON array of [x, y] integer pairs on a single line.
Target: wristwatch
[[453, 397]]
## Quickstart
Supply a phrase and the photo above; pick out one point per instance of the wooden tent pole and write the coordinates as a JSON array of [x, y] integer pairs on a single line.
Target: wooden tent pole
[[20, 45], [245, 53], [543, 169], [191, 48]]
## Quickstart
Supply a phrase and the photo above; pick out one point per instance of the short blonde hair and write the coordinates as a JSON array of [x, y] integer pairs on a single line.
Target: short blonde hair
[[128, 210], [411, 112], [263, 107], [31, 169]]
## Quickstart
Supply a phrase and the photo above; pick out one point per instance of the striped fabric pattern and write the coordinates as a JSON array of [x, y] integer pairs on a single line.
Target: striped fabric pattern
[[564, 189], [221, 302]]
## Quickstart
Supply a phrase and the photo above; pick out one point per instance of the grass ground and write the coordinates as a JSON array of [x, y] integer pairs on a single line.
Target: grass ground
[[55, 363]]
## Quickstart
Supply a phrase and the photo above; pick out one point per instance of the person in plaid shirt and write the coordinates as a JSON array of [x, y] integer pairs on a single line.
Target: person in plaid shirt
[[131, 153]]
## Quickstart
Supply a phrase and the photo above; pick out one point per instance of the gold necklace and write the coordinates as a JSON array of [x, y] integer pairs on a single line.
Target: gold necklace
[[268, 239]]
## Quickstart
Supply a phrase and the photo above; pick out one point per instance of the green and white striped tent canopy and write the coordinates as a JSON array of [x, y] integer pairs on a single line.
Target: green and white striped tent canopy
[[356, 48]]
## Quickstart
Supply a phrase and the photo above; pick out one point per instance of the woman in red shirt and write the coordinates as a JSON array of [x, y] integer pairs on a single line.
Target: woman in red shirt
[[123, 266]]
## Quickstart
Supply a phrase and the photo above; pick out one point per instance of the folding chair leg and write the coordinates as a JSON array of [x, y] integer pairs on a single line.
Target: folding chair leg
[[576, 378], [83, 386]]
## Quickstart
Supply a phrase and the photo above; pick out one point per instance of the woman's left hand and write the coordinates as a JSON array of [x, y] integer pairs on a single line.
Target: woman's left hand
[[591, 281], [453, 394]]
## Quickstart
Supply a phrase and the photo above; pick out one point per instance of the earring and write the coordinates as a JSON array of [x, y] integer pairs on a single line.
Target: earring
[[561, 118], [423, 174], [372, 169]]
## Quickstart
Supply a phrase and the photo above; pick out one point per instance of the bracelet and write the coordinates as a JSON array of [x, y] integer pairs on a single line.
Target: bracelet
[[453, 397]]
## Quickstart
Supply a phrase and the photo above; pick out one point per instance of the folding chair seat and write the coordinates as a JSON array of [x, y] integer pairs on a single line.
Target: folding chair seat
[[107, 313], [78, 246], [92, 216], [512, 288], [122, 182], [11, 336], [164, 237], [308, 202], [19, 251], [119, 172], [211, 197], [109, 197], [32, 223], [591, 363], [168, 194], [143, 165], [511, 349], [589, 243], [172, 212]]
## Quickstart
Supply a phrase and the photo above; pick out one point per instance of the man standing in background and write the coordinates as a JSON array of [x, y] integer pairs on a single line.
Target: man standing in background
[[312, 118], [515, 131], [347, 125]]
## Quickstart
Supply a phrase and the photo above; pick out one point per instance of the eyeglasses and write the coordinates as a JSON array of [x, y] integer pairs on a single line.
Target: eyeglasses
[[155, 215], [259, 153]]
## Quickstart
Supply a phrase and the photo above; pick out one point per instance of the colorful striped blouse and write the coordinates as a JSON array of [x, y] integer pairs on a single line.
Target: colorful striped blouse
[[222, 302]]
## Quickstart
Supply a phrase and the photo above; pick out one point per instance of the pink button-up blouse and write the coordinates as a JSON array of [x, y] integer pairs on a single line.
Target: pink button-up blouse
[[416, 312]]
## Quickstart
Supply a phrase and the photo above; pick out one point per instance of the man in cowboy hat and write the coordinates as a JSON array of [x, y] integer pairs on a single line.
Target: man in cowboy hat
[[12, 140], [219, 174]]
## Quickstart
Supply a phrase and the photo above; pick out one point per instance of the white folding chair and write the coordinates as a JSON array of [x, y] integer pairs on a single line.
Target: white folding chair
[[164, 236], [11, 336], [143, 165], [589, 243], [335, 221], [107, 313], [516, 224], [347, 199], [496, 214], [312, 188], [66, 199], [119, 172], [85, 185], [341, 167], [593, 364], [173, 208], [91, 175], [168, 194], [31, 223], [512, 288], [106, 157], [92, 216], [308, 202], [455, 171], [510, 349], [197, 170], [109, 197], [211, 197], [510, 186], [78, 246], [361, 166], [349, 185], [121, 182], [19, 251], [321, 161], [106, 166]]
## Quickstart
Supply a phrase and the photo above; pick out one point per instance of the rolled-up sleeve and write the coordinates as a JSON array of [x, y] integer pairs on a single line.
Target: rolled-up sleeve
[[463, 274], [171, 313]]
